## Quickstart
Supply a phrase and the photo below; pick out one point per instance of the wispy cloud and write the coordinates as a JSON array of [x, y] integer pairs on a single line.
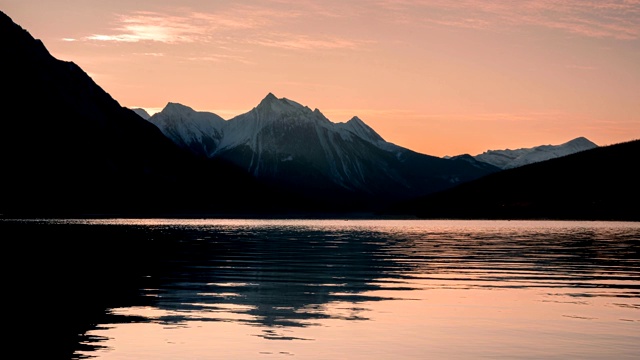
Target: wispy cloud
[[240, 24], [305, 42], [283, 27], [151, 26], [220, 58], [619, 19], [306, 25]]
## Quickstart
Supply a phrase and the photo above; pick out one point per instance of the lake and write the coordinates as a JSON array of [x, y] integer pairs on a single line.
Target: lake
[[331, 289]]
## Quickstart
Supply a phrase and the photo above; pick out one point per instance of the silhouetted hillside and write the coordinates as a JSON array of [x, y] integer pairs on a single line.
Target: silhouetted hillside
[[597, 184]]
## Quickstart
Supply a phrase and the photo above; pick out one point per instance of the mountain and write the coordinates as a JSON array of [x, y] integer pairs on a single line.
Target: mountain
[[508, 159], [597, 184], [142, 112], [77, 151], [289, 145], [198, 132]]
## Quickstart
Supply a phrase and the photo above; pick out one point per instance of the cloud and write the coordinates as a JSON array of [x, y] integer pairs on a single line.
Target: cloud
[[220, 58], [150, 26], [187, 26], [617, 19], [227, 28], [305, 42]]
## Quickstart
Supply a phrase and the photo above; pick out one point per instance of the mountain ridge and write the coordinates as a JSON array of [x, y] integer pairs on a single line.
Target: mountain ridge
[[508, 158], [502, 159], [283, 141]]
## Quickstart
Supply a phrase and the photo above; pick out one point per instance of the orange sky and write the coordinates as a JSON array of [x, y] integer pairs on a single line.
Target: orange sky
[[438, 77]]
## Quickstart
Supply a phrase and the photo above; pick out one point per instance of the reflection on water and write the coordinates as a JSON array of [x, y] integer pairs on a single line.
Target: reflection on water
[[335, 289]]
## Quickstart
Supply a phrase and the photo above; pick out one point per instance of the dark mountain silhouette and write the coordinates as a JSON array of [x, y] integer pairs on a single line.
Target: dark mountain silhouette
[[70, 148], [597, 184]]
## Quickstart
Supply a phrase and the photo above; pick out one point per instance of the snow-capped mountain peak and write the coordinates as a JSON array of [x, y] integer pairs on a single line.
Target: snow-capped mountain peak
[[176, 112], [579, 143], [358, 127], [279, 105], [357, 120], [177, 108], [199, 131], [507, 159]]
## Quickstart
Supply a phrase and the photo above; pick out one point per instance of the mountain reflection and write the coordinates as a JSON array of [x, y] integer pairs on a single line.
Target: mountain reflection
[[276, 277]]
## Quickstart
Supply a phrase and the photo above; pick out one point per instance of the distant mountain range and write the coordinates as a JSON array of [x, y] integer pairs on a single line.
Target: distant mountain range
[[78, 152], [196, 130], [291, 146], [509, 159]]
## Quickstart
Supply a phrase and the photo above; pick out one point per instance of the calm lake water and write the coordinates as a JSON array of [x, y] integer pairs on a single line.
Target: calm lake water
[[369, 289]]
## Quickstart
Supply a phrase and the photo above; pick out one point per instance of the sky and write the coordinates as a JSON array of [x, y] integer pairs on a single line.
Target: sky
[[437, 77]]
